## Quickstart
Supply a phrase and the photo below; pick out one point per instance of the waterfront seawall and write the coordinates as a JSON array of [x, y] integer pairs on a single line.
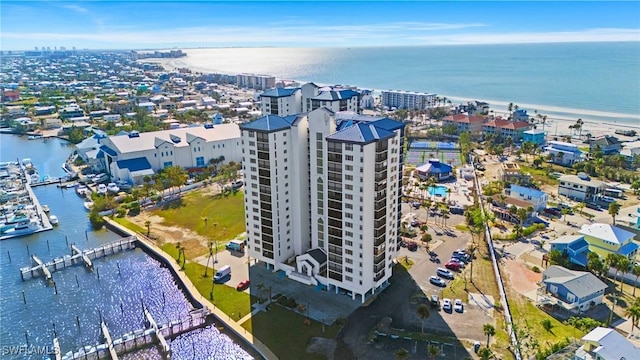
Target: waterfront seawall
[[230, 328]]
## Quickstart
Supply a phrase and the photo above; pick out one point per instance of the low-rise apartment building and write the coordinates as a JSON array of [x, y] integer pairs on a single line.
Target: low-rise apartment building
[[464, 122], [408, 100]]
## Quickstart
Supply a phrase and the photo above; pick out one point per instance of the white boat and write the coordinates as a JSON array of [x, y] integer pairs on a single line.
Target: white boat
[[112, 187], [88, 205], [81, 190], [53, 219], [102, 189], [35, 137], [45, 208], [24, 228]]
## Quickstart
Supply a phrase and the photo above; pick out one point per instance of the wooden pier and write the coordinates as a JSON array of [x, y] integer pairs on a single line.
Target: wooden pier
[[140, 338], [78, 256]]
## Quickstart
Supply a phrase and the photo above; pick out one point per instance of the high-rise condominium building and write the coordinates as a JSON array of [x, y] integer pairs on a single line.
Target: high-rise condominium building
[[322, 197], [408, 100]]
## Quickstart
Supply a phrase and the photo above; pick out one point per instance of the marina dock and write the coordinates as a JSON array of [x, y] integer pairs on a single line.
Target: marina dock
[[77, 256], [141, 338]]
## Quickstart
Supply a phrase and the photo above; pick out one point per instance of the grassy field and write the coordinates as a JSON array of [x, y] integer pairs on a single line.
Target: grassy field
[[287, 333], [234, 303], [225, 214], [129, 225]]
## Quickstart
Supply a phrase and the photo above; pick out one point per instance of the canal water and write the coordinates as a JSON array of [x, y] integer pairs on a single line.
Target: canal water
[[126, 281]]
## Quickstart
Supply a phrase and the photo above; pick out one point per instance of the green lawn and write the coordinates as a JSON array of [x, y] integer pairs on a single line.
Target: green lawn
[[225, 214], [286, 333], [232, 302], [129, 225]]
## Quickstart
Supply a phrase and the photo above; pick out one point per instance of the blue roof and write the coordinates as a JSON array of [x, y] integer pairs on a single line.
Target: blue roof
[[136, 164], [577, 245], [388, 124], [628, 248], [534, 193], [580, 259], [279, 92], [336, 95], [270, 123], [436, 167], [108, 150], [360, 133]]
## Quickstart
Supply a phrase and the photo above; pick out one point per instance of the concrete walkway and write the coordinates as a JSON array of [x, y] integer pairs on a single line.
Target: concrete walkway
[[226, 319]]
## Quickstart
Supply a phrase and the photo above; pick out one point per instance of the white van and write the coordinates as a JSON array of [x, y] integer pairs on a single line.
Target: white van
[[222, 273]]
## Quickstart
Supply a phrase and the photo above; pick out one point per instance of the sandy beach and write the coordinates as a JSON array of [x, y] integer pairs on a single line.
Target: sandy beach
[[557, 123]]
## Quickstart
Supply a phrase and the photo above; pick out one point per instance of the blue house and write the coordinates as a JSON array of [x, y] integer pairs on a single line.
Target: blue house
[[534, 136], [217, 118], [537, 198], [574, 246], [571, 290]]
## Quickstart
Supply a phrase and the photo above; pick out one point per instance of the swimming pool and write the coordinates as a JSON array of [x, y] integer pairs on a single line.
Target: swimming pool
[[438, 191]]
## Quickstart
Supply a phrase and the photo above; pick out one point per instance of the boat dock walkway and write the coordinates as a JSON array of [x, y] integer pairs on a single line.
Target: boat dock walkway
[[85, 258], [76, 256], [149, 335], [43, 267]]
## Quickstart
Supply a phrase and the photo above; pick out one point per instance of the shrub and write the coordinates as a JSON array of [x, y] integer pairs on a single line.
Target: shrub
[[535, 269]]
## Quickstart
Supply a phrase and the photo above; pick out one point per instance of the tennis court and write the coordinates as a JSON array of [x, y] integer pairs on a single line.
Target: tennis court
[[419, 157]]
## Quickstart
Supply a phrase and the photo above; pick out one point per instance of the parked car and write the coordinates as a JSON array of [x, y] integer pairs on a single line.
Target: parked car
[[416, 205], [437, 281], [456, 210], [446, 304], [237, 184], [415, 222], [457, 306], [593, 206], [461, 256], [444, 273], [460, 263], [412, 246], [452, 266], [434, 301], [243, 285]]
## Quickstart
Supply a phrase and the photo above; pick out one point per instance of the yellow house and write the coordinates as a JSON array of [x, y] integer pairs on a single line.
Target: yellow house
[[605, 239]]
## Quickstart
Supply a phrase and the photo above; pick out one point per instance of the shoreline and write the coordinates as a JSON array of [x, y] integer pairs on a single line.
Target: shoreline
[[595, 122]]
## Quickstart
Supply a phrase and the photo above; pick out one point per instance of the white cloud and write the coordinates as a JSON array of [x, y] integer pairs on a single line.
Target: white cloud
[[397, 33], [76, 8]]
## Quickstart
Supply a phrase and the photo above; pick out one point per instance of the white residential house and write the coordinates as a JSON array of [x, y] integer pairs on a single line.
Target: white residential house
[[606, 344], [580, 187], [537, 198], [564, 153], [324, 195]]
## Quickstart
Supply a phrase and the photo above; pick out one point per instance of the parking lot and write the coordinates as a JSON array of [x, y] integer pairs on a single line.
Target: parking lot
[[314, 302]]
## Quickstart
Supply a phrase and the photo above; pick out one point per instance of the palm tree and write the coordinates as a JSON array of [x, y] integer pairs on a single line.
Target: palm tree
[[635, 270], [179, 248], [471, 249], [595, 264], [427, 205], [634, 313], [433, 351], [485, 353], [489, 330], [148, 225], [402, 354], [614, 209], [423, 313], [624, 264]]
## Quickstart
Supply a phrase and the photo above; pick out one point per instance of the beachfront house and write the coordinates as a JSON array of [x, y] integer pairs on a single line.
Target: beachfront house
[[571, 290], [464, 122], [435, 169], [130, 157], [630, 150], [281, 101], [506, 128], [537, 198], [605, 239], [609, 145], [534, 136], [564, 153], [580, 187]]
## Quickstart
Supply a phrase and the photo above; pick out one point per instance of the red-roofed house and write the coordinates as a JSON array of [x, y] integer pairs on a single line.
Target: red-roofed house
[[10, 95], [506, 128], [464, 122]]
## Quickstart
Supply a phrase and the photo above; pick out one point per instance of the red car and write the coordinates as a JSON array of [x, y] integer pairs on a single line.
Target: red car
[[452, 266], [243, 285]]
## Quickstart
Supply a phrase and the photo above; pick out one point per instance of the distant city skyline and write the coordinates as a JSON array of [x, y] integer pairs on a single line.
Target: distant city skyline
[[166, 24]]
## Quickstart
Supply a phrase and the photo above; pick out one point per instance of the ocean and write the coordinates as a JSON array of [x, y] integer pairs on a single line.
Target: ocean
[[592, 81], [125, 280]]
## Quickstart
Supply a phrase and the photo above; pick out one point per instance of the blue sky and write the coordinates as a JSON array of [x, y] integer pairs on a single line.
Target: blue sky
[[165, 24]]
